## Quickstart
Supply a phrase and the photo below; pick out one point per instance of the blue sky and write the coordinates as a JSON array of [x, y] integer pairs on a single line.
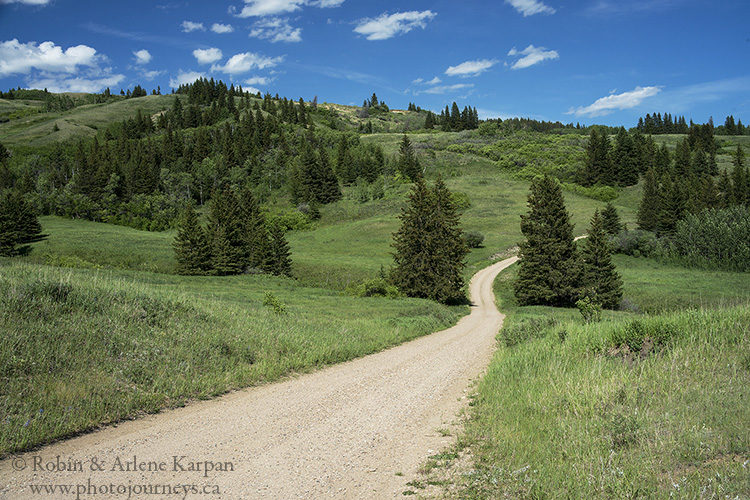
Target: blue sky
[[588, 61]]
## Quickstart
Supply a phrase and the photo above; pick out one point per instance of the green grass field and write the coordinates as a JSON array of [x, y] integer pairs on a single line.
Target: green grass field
[[81, 348], [562, 414]]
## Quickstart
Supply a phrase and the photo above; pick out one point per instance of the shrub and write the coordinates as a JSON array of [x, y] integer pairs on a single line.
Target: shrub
[[590, 310], [634, 333], [474, 239], [636, 243], [527, 329], [714, 239], [461, 200], [272, 301], [377, 287]]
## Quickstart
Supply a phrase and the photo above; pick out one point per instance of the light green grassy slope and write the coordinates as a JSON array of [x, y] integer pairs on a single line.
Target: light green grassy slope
[[82, 121], [80, 348]]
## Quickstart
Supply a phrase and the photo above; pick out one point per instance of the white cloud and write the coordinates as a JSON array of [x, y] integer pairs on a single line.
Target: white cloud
[[530, 7], [188, 26], [327, 3], [16, 57], [444, 89], [471, 68], [222, 28], [77, 84], [258, 80], [142, 56], [276, 29], [151, 75], [242, 63], [259, 8], [184, 78], [27, 2], [207, 56], [252, 90], [421, 81], [387, 26], [531, 56], [611, 103]]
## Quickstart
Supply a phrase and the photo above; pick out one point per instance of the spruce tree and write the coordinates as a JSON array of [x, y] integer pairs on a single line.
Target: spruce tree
[[280, 262], [19, 225], [600, 279], [254, 232], [191, 247], [611, 220], [408, 164], [548, 273], [672, 207], [650, 207], [430, 249], [226, 235]]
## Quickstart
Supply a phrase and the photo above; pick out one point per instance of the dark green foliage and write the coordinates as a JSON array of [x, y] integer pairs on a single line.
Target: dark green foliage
[[672, 206], [714, 239], [191, 247], [636, 243], [408, 164], [19, 225], [226, 234], [279, 261], [548, 273], [316, 180], [598, 166], [430, 247], [600, 279], [254, 232], [474, 239], [611, 220]]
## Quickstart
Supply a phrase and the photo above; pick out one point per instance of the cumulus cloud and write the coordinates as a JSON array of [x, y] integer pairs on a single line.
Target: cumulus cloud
[[207, 56], [222, 28], [242, 63], [611, 103], [387, 26], [276, 30], [142, 56], [471, 68], [76, 84], [258, 80], [188, 26], [26, 2], [531, 56], [445, 89], [261, 8], [21, 58], [530, 7], [185, 77]]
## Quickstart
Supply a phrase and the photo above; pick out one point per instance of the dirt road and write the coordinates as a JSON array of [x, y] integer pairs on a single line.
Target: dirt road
[[359, 429]]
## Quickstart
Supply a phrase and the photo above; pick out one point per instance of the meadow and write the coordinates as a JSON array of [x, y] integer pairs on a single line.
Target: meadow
[[82, 348], [565, 411]]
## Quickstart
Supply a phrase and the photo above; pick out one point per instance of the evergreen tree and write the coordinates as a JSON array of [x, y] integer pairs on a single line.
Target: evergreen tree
[[280, 262], [19, 225], [430, 247], [726, 191], [254, 232], [611, 220], [548, 273], [650, 207], [672, 207], [600, 278], [227, 239], [408, 164], [625, 159], [191, 247]]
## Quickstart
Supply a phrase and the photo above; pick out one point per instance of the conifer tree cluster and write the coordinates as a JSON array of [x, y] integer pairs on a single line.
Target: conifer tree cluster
[[452, 119], [551, 269], [237, 239], [408, 163], [618, 163], [19, 225], [429, 246], [684, 183]]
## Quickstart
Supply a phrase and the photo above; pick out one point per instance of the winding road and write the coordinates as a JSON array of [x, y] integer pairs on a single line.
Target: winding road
[[359, 429]]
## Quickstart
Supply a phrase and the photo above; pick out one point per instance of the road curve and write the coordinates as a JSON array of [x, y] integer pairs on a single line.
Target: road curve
[[359, 429]]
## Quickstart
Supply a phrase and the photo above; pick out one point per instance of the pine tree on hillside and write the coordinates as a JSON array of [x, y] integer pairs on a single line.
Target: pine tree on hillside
[[280, 262], [726, 190], [19, 225], [408, 164], [611, 220], [228, 246], [599, 276], [672, 207], [740, 178], [191, 247], [548, 273], [254, 232], [624, 159], [429, 245], [650, 207]]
